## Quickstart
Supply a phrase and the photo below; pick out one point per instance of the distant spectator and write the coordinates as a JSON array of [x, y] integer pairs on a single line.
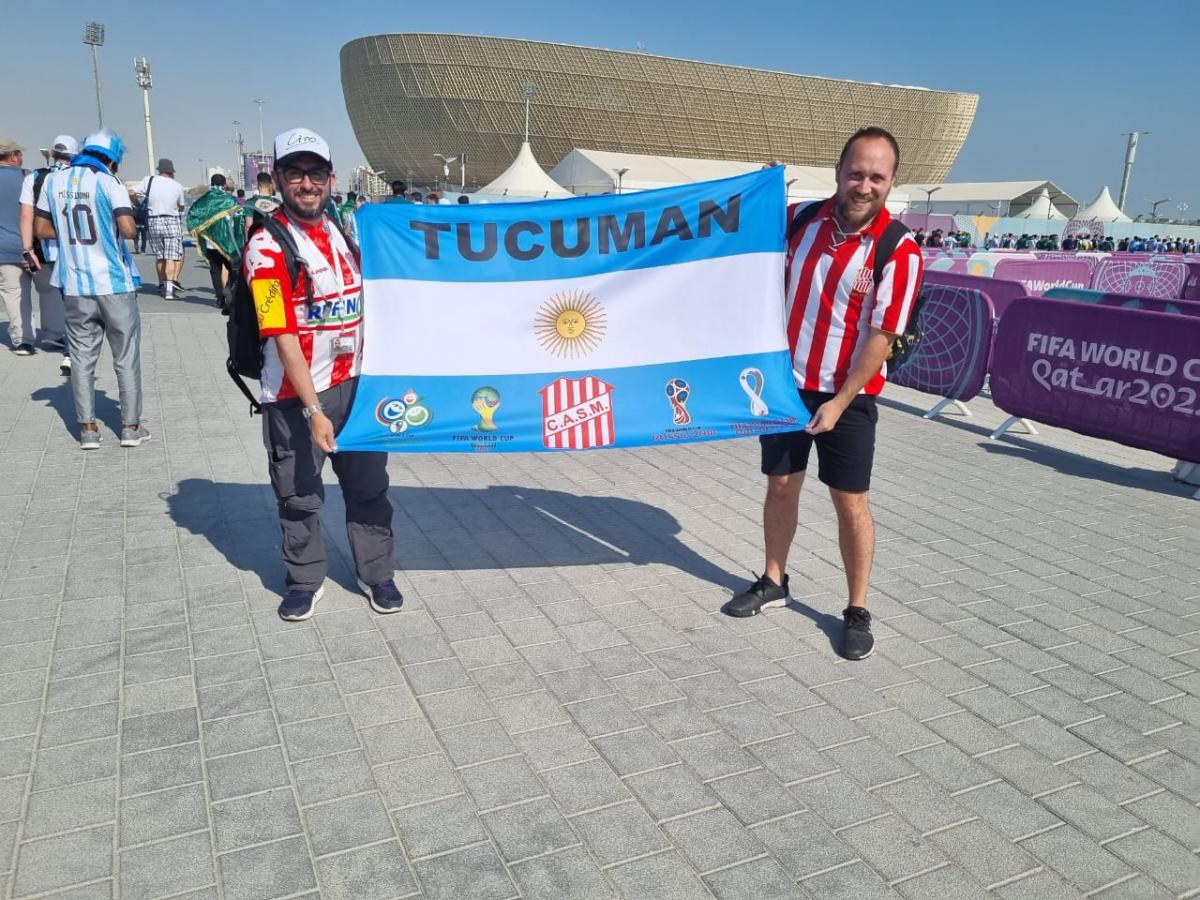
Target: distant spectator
[[399, 193]]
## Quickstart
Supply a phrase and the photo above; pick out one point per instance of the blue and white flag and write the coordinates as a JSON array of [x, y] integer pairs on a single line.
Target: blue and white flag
[[609, 321]]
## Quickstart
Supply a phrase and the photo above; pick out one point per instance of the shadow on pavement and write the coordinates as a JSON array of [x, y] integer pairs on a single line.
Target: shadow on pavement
[[1064, 461], [60, 399], [456, 529]]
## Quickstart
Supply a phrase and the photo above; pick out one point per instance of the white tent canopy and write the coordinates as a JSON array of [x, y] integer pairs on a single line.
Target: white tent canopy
[[1005, 198], [1041, 208], [1103, 208], [525, 179], [585, 172]]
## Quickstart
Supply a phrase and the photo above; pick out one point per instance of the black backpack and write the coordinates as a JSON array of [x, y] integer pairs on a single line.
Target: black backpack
[[892, 235], [245, 344]]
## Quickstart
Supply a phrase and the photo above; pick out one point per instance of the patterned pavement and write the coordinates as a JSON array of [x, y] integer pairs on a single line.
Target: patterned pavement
[[560, 711]]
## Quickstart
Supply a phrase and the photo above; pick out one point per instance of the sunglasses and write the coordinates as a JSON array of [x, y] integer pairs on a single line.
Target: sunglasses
[[318, 176]]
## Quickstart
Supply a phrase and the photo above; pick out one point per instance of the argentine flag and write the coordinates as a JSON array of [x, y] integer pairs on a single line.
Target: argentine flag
[[606, 321]]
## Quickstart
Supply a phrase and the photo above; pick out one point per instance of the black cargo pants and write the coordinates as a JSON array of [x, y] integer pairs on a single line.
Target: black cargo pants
[[296, 464]]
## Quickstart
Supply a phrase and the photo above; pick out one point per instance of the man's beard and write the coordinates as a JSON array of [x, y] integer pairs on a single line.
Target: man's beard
[[292, 206], [854, 220]]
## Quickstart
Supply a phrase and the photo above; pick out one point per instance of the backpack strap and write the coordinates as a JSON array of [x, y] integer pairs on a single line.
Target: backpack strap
[[292, 261], [892, 235]]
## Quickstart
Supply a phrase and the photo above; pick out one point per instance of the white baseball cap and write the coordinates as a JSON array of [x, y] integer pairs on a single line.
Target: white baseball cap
[[64, 145], [300, 140]]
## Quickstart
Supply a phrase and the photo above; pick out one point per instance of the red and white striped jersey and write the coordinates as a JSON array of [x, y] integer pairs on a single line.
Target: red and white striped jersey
[[330, 330], [833, 302]]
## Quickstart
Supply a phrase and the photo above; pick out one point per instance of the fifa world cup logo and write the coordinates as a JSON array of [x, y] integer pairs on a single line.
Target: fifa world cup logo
[[678, 392], [485, 401]]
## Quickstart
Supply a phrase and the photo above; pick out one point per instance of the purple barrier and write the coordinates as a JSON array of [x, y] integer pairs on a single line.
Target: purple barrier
[[1001, 293], [928, 221], [956, 326], [1147, 278], [1119, 374], [1191, 287], [1040, 275], [1128, 301]]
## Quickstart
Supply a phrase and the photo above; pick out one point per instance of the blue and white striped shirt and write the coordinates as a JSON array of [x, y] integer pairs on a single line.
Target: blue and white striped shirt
[[84, 204]]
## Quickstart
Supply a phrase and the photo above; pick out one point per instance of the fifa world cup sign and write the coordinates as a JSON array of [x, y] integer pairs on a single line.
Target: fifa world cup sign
[[614, 321]]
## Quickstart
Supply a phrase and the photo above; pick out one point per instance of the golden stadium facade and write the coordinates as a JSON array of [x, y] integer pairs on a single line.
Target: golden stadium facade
[[411, 96]]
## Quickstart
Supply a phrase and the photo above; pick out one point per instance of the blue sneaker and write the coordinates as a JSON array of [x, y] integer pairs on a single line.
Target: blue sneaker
[[298, 605], [385, 597]]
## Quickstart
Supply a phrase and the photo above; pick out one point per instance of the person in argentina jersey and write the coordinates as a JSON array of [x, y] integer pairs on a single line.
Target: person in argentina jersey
[[311, 361], [852, 277], [87, 211]]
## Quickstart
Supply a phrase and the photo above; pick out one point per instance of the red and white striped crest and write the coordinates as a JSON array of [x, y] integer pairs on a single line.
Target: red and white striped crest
[[577, 414]]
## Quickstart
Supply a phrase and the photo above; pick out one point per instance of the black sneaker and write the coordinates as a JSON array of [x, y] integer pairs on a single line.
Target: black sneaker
[[298, 605], [385, 597], [24, 350], [763, 593], [857, 640]]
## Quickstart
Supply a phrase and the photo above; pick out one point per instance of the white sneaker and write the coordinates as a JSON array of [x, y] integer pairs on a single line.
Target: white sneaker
[[64, 367]]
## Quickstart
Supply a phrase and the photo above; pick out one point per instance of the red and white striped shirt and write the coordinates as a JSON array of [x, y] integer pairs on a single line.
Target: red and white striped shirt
[[330, 330], [833, 302]]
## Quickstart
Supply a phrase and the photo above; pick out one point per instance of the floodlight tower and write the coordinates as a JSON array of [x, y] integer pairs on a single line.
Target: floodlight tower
[[262, 145], [93, 36], [1130, 153], [141, 74]]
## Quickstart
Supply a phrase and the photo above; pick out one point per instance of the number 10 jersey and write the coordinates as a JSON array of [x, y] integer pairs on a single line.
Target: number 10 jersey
[[84, 204]]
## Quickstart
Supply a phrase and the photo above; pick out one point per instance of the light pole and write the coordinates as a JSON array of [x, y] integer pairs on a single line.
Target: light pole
[[237, 153], [1155, 204], [262, 144], [446, 160], [527, 91], [93, 36], [141, 74], [929, 192], [1130, 153], [620, 173]]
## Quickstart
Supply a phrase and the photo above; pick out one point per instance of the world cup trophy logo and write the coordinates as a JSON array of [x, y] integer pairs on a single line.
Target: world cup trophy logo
[[485, 401], [752, 382], [678, 392]]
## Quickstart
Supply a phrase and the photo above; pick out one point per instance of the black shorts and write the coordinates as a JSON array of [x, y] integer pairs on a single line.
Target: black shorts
[[845, 455]]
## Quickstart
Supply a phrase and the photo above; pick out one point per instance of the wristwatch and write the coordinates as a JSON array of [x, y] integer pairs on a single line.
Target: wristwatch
[[310, 411]]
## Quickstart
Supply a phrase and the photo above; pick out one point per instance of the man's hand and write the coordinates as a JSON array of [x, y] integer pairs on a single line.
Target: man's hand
[[322, 432], [29, 262], [826, 417]]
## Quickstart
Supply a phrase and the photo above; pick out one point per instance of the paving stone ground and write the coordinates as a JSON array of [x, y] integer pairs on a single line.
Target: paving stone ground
[[560, 711]]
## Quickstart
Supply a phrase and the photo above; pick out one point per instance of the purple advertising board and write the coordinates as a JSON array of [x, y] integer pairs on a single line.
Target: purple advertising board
[[1002, 293], [1123, 375], [1156, 277], [956, 326], [1191, 287], [1040, 275], [1128, 301]]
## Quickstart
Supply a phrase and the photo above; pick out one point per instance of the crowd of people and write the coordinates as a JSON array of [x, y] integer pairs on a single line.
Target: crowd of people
[[962, 240]]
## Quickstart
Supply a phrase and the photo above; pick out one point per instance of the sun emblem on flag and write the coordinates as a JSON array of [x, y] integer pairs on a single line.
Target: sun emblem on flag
[[570, 324]]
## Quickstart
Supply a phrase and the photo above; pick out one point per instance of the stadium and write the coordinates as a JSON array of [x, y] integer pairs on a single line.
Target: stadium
[[412, 96]]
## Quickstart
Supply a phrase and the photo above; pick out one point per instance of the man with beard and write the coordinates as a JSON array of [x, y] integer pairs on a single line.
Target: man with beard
[[852, 277], [312, 356]]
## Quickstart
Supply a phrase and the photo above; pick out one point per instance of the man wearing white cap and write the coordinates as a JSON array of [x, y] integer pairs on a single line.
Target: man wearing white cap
[[40, 256], [312, 326]]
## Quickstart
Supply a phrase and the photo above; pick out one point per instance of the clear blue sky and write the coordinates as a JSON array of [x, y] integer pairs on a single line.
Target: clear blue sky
[[1058, 82]]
